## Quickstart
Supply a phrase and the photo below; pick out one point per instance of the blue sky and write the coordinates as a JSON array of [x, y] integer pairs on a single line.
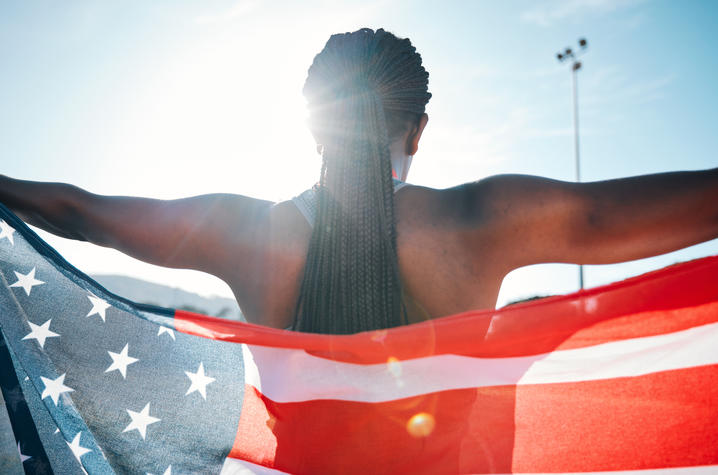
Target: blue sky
[[176, 98]]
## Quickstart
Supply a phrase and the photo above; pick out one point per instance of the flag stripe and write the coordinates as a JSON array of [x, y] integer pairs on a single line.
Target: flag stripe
[[295, 376], [242, 467], [659, 420], [633, 308]]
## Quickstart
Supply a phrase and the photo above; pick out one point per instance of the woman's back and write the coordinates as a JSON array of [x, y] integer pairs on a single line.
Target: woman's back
[[441, 271], [456, 245]]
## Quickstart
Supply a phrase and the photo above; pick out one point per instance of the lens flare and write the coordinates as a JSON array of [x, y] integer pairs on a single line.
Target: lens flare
[[394, 366], [420, 425], [379, 336]]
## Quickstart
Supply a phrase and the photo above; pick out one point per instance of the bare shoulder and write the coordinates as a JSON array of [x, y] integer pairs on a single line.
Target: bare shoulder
[[267, 273], [528, 220], [486, 220], [278, 232], [449, 253], [453, 224], [466, 205]]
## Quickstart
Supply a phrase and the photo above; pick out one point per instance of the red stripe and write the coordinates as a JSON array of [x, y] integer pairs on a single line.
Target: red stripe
[[666, 419], [639, 325], [655, 303], [661, 420], [254, 440]]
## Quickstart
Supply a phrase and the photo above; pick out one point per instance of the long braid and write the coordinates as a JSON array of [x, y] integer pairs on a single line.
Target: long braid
[[362, 88]]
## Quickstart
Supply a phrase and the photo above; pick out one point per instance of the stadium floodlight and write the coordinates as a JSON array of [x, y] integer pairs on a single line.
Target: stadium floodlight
[[566, 55]]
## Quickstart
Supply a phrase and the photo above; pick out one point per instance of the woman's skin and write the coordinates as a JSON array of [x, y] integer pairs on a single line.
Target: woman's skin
[[455, 245]]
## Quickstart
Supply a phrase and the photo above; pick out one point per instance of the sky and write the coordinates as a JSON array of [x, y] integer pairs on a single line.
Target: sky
[[174, 98]]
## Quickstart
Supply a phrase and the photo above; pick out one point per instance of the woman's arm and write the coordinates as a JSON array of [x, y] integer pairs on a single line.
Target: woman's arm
[[206, 233], [540, 220]]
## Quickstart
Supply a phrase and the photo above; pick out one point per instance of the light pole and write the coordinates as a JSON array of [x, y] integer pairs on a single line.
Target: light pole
[[571, 56]]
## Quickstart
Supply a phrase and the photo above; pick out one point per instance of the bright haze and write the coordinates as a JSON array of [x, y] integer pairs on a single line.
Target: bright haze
[[174, 98]]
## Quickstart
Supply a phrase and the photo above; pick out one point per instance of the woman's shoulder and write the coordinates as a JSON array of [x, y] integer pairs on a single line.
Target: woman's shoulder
[[439, 206], [459, 205]]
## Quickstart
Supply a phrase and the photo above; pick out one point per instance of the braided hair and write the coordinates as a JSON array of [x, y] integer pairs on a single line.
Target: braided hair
[[363, 89]]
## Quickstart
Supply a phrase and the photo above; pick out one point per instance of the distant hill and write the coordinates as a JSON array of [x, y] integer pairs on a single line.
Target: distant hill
[[156, 294]]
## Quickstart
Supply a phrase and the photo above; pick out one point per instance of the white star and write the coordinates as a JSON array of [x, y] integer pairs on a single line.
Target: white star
[[168, 471], [98, 306], [23, 457], [6, 231], [54, 387], [77, 450], [27, 282], [40, 332], [140, 420], [199, 382], [169, 331], [120, 361]]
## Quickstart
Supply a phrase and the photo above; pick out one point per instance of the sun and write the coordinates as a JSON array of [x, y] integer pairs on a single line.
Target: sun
[[218, 117]]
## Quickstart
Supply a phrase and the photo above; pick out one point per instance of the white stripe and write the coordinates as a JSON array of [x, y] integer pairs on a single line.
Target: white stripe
[[286, 375], [251, 372], [700, 470], [242, 467]]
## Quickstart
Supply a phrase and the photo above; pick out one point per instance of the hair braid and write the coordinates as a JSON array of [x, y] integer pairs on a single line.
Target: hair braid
[[363, 88]]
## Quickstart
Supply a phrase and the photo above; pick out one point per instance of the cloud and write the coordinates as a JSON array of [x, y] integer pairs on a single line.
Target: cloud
[[611, 85], [459, 152], [646, 91], [549, 13]]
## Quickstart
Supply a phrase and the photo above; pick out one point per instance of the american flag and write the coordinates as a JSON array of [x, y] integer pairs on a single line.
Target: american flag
[[618, 378]]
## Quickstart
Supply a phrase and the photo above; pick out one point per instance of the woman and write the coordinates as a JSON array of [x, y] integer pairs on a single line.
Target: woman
[[362, 251]]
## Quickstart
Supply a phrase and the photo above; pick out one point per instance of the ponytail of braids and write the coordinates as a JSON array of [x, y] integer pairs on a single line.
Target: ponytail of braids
[[358, 85]]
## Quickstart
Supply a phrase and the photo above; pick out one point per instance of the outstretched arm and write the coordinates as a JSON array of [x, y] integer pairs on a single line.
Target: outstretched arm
[[540, 220], [208, 233]]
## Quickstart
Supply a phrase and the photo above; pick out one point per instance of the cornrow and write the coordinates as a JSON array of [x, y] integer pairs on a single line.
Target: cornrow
[[360, 84]]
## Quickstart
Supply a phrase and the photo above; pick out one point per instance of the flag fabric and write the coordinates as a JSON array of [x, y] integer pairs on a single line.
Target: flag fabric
[[621, 378]]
